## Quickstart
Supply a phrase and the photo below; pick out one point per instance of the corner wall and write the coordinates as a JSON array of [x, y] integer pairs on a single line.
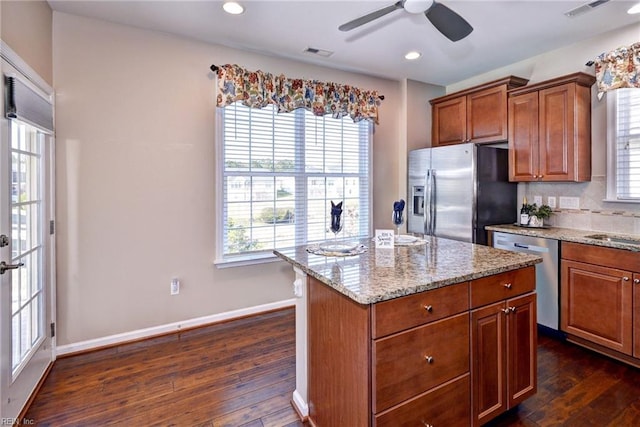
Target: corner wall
[[136, 178]]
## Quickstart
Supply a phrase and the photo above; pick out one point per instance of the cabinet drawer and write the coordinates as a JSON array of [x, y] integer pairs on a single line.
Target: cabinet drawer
[[446, 405], [414, 310], [502, 286], [412, 362], [600, 255]]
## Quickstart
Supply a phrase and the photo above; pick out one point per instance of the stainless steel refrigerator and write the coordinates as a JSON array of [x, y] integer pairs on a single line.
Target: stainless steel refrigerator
[[456, 190]]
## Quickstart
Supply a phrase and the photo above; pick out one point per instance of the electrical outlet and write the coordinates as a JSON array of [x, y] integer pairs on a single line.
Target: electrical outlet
[[569, 202], [551, 201], [175, 286], [537, 200]]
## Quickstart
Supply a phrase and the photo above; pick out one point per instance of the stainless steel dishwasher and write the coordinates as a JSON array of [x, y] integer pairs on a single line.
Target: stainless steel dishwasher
[[547, 276]]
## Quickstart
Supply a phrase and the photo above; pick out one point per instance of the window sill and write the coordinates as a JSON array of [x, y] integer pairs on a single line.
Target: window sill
[[246, 260], [620, 201]]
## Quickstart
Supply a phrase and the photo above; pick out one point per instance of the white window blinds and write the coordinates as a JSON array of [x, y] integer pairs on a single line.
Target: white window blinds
[[280, 172], [624, 146]]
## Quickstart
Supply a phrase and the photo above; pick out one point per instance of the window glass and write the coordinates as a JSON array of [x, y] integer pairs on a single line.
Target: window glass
[[280, 173], [623, 166]]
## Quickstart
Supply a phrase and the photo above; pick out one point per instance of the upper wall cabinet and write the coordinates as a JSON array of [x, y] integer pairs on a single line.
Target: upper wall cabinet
[[550, 130], [478, 114]]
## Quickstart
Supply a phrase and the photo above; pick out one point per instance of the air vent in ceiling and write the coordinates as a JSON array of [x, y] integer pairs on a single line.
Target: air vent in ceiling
[[585, 8], [319, 52]]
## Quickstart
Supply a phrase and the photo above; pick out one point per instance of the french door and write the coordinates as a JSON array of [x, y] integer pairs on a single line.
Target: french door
[[26, 260]]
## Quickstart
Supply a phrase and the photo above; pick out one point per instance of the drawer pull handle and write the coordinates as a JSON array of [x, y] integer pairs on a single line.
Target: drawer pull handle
[[507, 285], [625, 278], [429, 359], [428, 308]]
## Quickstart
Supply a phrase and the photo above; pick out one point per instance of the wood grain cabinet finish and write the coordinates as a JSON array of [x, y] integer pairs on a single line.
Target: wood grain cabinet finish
[[504, 364], [549, 127], [407, 361], [478, 114], [636, 318], [599, 298]]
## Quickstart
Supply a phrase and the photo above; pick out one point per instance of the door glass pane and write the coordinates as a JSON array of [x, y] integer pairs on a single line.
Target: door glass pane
[[27, 240]]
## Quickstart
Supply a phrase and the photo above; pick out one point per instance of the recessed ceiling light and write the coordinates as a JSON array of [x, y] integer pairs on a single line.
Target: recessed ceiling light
[[634, 9], [412, 55], [233, 8]]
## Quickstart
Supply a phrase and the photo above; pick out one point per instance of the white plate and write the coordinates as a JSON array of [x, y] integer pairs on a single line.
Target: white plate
[[342, 247], [405, 238]]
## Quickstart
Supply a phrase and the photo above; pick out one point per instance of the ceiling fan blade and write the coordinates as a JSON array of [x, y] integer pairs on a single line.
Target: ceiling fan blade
[[450, 24], [370, 17]]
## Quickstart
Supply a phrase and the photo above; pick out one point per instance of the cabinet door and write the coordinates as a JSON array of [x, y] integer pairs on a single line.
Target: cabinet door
[[522, 338], [449, 122], [487, 115], [636, 315], [523, 137], [489, 358], [596, 304], [557, 133]]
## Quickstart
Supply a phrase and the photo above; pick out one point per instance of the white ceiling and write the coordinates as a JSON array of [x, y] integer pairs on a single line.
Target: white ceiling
[[504, 31]]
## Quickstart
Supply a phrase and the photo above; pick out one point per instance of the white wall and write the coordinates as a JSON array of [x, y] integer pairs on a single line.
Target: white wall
[[135, 178], [595, 214]]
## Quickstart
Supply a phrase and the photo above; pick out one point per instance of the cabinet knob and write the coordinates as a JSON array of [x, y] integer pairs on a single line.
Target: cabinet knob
[[428, 308], [426, 424], [625, 278], [507, 285], [505, 310], [636, 281], [429, 359], [540, 176], [535, 176], [512, 309]]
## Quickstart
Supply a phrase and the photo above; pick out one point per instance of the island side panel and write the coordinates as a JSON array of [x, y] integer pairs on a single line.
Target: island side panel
[[339, 355]]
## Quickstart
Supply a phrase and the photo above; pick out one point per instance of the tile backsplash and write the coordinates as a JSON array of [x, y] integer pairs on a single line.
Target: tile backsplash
[[594, 214]]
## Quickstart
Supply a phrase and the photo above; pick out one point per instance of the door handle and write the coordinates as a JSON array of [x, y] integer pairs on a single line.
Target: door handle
[[4, 266]]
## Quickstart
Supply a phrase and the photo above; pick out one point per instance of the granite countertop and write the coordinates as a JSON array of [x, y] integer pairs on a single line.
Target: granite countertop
[[383, 274], [570, 235]]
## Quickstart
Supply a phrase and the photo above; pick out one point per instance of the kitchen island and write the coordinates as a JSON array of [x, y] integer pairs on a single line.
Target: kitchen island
[[442, 333]]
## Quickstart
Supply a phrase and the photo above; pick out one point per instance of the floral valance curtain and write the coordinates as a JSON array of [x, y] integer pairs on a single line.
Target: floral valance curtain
[[618, 68], [258, 89]]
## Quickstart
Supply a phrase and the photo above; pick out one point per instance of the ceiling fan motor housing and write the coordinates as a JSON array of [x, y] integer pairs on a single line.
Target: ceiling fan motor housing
[[417, 6]]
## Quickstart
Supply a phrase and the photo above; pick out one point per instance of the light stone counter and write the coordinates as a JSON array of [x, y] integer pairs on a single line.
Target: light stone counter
[[570, 235], [383, 274]]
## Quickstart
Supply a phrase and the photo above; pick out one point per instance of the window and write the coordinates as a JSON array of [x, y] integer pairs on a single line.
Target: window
[[279, 174], [623, 145]]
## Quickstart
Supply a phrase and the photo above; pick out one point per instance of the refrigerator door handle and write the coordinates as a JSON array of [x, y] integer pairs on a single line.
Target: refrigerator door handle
[[432, 205], [427, 202]]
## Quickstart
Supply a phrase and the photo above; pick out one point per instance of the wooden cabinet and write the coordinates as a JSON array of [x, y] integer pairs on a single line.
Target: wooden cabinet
[[550, 130], [478, 114], [599, 306], [636, 319], [503, 348], [419, 359]]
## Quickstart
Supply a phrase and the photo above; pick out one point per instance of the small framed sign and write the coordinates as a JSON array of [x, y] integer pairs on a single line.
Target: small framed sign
[[384, 239]]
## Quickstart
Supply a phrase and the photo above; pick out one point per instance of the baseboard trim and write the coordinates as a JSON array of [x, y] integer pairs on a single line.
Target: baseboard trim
[[300, 406], [111, 340]]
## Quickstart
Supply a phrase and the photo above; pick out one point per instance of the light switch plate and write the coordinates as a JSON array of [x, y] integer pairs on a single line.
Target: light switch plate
[[551, 201], [569, 202]]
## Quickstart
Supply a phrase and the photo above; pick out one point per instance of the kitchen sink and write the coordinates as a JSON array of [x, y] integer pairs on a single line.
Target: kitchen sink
[[615, 239]]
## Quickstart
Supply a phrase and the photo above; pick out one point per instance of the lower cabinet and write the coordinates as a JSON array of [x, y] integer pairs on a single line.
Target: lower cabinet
[[503, 354], [600, 299], [454, 356]]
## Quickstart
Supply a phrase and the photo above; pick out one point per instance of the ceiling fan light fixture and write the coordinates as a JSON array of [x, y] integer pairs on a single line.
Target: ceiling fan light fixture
[[417, 6], [634, 9], [413, 55], [233, 8]]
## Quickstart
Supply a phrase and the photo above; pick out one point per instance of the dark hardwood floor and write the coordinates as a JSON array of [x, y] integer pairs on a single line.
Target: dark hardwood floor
[[242, 373]]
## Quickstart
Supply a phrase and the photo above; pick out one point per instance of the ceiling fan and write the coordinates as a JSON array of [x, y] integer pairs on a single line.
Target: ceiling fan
[[449, 23]]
